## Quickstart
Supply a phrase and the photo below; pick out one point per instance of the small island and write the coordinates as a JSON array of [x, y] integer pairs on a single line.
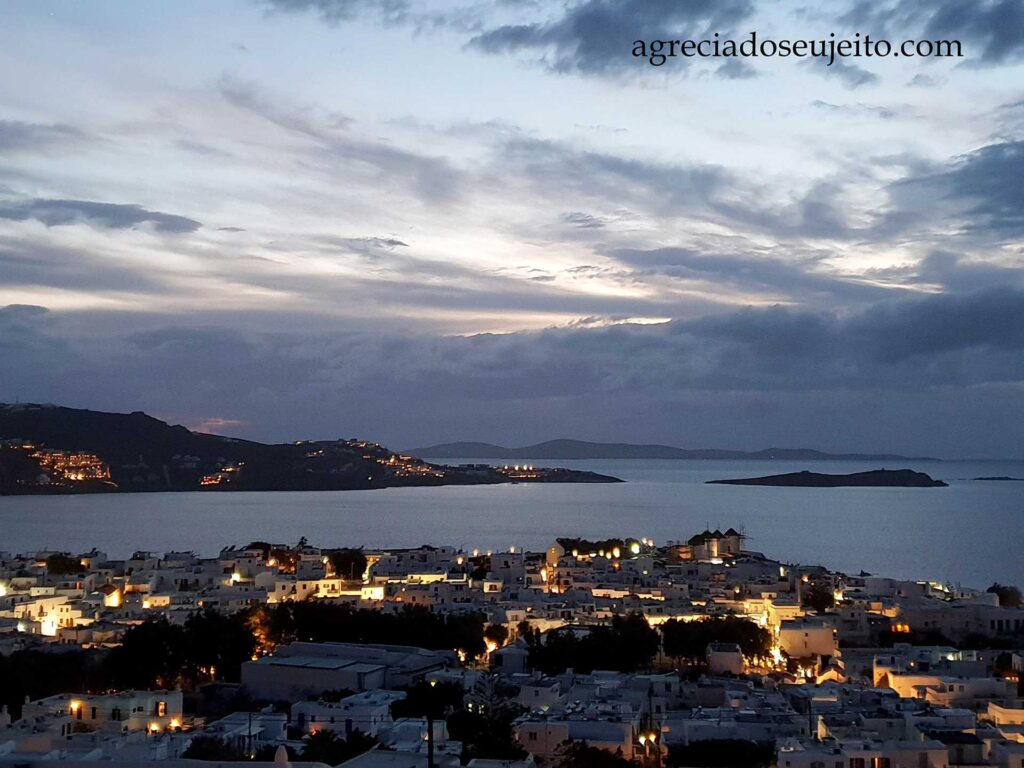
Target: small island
[[1002, 479], [878, 478]]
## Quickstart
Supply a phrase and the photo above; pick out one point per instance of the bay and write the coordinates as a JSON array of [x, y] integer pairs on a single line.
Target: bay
[[970, 533]]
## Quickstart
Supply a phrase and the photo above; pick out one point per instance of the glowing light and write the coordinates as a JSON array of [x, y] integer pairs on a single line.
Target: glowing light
[[616, 553], [154, 727], [634, 548], [3, 590], [175, 723], [236, 577]]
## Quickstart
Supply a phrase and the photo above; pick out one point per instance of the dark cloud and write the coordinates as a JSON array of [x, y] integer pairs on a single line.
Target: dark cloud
[[433, 179], [880, 374], [992, 31], [850, 75], [18, 136], [338, 11], [804, 277], [596, 36], [55, 213], [32, 263], [736, 69], [981, 191], [871, 110], [584, 220], [658, 187]]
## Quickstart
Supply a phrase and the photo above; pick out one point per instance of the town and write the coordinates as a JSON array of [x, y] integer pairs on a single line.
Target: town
[[613, 652]]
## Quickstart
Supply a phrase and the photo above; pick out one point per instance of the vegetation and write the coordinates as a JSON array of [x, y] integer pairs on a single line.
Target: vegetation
[[485, 736], [496, 633], [426, 700], [62, 564], [347, 563], [35, 674], [722, 753], [320, 621], [818, 597], [688, 640], [579, 754], [158, 654], [215, 749], [328, 747], [628, 644], [1009, 597]]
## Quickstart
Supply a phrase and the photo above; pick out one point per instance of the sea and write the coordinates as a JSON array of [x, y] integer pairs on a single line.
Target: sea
[[971, 533]]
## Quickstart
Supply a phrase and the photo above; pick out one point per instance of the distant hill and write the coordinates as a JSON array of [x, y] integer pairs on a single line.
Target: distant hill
[[880, 478], [53, 449], [580, 449]]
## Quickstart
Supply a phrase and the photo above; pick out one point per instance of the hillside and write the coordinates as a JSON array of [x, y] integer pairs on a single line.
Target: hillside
[[878, 478], [53, 449]]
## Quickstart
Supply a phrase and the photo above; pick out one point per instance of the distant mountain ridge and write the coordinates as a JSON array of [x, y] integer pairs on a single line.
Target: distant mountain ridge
[[581, 449], [54, 449]]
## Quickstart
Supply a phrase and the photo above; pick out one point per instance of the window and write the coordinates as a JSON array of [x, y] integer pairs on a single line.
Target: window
[[161, 708], [531, 736], [856, 762]]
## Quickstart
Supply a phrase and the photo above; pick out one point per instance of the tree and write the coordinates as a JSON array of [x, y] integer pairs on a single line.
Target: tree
[[689, 639], [218, 644], [213, 748], [328, 747], [722, 753], [1009, 597], [818, 597], [35, 674], [347, 563], [321, 621], [158, 654], [496, 633], [488, 737], [579, 754], [626, 645], [151, 655], [62, 564], [424, 699]]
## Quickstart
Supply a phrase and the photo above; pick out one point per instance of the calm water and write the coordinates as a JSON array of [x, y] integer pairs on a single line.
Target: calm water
[[971, 532]]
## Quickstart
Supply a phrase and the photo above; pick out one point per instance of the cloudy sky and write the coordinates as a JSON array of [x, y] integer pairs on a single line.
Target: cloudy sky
[[422, 221]]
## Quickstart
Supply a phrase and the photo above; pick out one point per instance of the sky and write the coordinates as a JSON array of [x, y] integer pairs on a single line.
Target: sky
[[417, 222]]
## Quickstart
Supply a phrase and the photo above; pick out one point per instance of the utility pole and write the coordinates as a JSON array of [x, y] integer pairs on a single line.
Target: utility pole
[[430, 726]]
